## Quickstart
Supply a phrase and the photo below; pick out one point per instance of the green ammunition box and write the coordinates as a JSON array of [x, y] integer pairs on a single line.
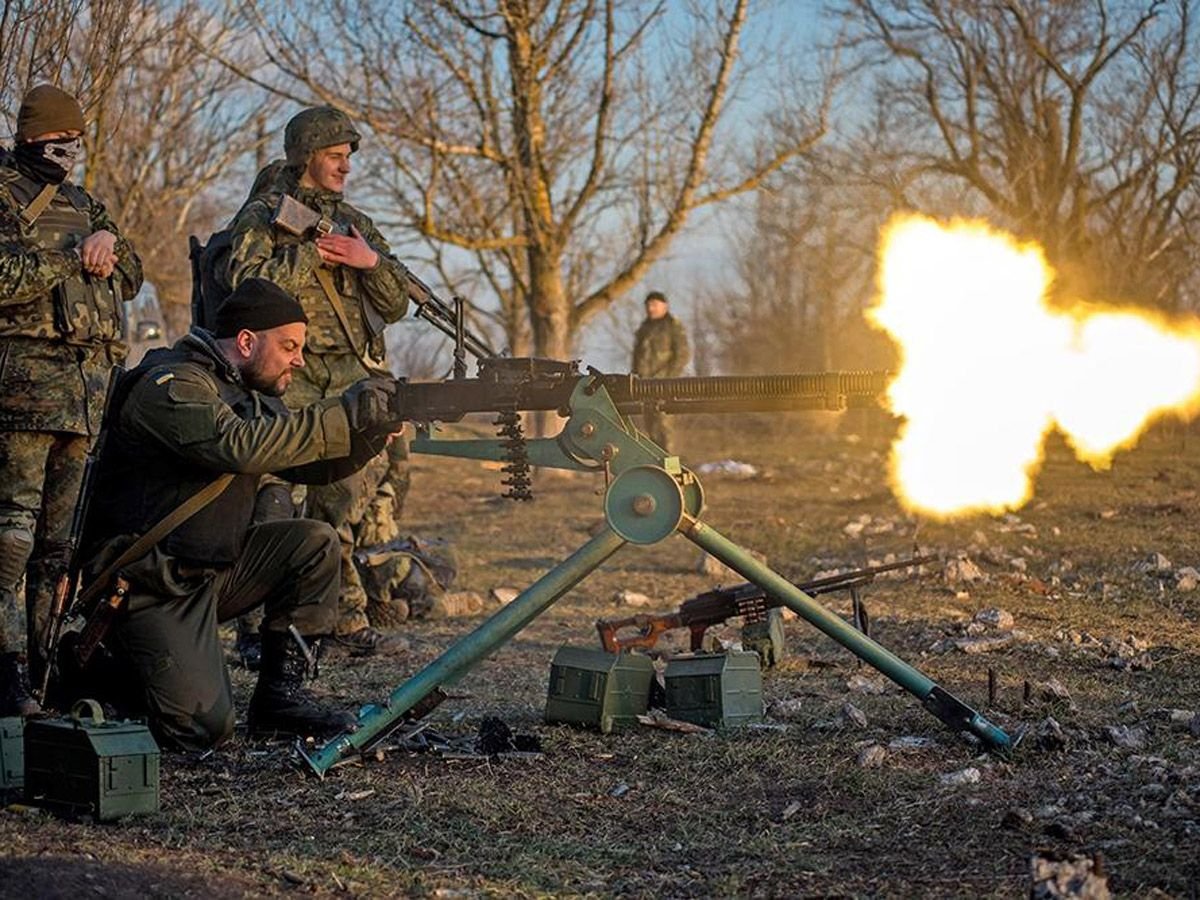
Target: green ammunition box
[[715, 689], [766, 639], [82, 765], [12, 757], [598, 689]]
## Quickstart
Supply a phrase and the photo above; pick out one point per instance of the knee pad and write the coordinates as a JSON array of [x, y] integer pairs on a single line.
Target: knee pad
[[16, 546]]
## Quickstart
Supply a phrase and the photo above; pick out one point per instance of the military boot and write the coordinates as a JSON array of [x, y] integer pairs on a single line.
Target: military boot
[[16, 696], [281, 703]]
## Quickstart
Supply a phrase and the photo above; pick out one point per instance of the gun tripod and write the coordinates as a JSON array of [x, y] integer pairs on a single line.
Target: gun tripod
[[650, 496]]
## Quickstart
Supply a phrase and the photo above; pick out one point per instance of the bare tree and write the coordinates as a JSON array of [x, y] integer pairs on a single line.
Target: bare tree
[[563, 144], [1074, 123], [165, 123]]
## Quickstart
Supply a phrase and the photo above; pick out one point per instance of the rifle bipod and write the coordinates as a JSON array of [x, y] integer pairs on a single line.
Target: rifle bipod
[[650, 497]]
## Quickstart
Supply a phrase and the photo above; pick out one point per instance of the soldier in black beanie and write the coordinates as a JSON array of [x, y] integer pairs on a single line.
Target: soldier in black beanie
[[205, 410]]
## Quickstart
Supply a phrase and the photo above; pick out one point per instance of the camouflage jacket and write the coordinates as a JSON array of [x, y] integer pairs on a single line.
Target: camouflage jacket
[[370, 298], [661, 349], [183, 417], [60, 331]]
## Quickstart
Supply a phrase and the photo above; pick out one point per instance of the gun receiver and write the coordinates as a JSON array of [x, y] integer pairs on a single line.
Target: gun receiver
[[718, 606]]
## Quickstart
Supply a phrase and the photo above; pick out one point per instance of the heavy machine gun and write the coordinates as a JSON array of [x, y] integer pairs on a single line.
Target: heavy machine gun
[[649, 496]]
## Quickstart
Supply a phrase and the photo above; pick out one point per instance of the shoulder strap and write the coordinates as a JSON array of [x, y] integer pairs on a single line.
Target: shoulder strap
[[161, 529], [325, 279], [38, 204]]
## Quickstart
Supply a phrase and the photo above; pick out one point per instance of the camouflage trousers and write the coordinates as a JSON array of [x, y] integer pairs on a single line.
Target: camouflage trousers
[[40, 474], [657, 426], [344, 504]]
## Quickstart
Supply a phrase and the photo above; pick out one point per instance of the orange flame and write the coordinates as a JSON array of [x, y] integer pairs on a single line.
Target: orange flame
[[988, 368]]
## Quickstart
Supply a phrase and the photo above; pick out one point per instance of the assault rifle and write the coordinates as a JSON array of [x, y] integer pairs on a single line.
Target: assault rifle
[[649, 496], [749, 601], [296, 218], [68, 583]]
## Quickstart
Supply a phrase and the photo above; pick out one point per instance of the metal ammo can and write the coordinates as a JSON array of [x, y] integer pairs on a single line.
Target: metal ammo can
[[82, 764], [12, 757], [715, 689], [597, 688]]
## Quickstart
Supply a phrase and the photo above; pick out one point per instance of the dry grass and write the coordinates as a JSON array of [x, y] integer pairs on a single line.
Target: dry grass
[[762, 813]]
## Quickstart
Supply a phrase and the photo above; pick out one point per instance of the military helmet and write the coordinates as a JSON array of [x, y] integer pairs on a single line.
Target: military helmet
[[314, 128]]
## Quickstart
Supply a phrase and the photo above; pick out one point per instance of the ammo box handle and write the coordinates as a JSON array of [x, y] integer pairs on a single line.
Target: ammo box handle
[[91, 706]]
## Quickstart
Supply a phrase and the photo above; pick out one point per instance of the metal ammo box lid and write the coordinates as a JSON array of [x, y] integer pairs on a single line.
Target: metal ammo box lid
[[715, 689], [596, 688], [12, 756], [82, 764]]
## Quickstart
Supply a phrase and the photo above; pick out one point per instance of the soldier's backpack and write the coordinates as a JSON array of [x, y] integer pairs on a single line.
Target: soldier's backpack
[[210, 275]]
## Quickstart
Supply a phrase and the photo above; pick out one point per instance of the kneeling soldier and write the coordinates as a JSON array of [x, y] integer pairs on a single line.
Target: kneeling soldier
[[187, 415]]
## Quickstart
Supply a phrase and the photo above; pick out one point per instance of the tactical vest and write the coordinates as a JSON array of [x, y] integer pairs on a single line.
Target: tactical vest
[[325, 333], [140, 482], [80, 310]]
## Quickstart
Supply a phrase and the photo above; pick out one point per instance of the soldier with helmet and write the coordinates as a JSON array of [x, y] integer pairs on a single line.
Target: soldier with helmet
[[65, 270], [350, 286]]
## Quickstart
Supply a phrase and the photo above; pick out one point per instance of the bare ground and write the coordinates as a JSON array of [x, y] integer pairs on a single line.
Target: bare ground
[[787, 812]]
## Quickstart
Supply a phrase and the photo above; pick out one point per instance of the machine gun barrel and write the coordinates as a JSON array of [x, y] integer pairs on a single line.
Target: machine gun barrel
[[528, 385]]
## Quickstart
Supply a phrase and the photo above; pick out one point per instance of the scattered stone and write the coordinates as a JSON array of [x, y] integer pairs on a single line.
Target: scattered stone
[[1049, 736], [1187, 579], [631, 598], [872, 756], [961, 570], [1154, 564], [863, 685], [1076, 876], [988, 644], [1018, 563], [619, 791], [995, 617], [728, 468], [786, 708], [1016, 819], [1053, 690], [502, 596], [791, 809], [911, 742], [970, 775], [1125, 737], [851, 715], [456, 603]]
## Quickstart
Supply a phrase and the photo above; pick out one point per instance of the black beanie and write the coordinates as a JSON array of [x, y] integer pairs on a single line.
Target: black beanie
[[256, 305]]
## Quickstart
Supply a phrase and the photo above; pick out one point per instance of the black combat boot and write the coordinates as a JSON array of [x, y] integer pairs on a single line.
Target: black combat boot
[[281, 703], [16, 696]]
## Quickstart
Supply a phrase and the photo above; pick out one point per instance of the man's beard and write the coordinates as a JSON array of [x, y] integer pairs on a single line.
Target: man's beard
[[255, 378]]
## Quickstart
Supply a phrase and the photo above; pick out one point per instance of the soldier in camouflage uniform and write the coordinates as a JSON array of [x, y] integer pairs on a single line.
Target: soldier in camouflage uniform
[[660, 350], [65, 270], [372, 290]]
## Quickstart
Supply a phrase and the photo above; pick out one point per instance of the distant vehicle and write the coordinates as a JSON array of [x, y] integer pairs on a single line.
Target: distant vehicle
[[143, 324]]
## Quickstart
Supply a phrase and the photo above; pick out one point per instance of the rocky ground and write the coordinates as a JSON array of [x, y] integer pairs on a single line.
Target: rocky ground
[[1072, 623]]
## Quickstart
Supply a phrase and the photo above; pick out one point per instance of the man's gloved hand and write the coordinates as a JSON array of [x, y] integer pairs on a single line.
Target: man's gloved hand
[[371, 405]]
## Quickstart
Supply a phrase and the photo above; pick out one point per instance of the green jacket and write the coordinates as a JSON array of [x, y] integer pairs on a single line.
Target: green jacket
[[184, 417], [661, 349], [371, 298], [60, 331]]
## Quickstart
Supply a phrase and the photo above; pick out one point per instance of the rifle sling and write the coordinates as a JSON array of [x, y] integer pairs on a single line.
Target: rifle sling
[[38, 204], [161, 529], [325, 279]]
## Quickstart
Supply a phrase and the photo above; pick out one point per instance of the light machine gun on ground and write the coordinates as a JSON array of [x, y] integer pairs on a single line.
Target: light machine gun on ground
[[649, 496]]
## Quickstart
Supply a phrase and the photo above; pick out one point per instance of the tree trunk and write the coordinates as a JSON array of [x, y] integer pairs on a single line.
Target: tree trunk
[[549, 308]]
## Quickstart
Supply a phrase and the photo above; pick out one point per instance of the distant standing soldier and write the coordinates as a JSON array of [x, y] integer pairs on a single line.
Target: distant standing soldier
[[65, 269], [660, 350], [350, 286]]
